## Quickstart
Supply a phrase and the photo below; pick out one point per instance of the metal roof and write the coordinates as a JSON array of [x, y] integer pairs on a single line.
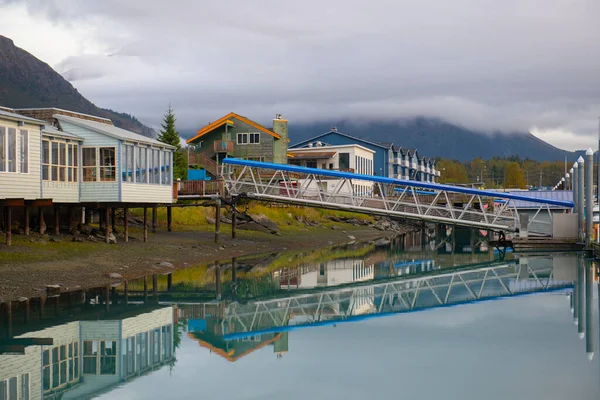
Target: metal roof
[[393, 181], [558, 195], [341, 134], [111, 130], [52, 131], [19, 117], [313, 155]]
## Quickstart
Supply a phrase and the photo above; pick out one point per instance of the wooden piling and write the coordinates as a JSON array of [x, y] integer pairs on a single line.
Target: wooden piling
[[8, 306], [234, 225], [113, 219], [56, 220], [57, 305], [169, 282], [154, 218], [26, 222], [41, 221], [234, 270], [155, 287], [145, 224], [107, 297], [169, 218], [106, 224], [42, 302], [145, 289], [126, 223], [126, 294], [8, 224], [217, 220], [27, 310], [218, 280]]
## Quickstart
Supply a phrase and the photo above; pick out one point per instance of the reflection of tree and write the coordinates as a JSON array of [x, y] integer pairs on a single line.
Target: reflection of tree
[[252, 288], [179, 328]]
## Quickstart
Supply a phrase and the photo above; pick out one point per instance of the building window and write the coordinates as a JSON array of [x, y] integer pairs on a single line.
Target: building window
[[141, 165], [25, 386], [254, 138], [12, 150], [89, 164], [62, 162], [108, 164], [45, 160], [72, 163], [24, 151], [156, 166], [242, 138], [311, 163], [167, 161], [60, 366], [99, 357]]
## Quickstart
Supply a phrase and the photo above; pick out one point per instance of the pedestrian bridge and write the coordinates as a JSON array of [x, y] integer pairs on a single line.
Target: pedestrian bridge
[[376, 195], [334, 305]]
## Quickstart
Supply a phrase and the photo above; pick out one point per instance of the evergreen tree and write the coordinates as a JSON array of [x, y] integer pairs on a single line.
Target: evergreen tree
[[169, 135]]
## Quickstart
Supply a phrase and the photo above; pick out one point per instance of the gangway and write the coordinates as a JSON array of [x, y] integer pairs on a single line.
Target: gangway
[[422, 201]]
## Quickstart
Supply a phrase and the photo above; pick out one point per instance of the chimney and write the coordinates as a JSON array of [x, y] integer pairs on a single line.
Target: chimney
[[280, 146]]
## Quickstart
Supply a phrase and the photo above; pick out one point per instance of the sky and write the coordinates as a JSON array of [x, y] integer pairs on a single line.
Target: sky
[[511, 66]]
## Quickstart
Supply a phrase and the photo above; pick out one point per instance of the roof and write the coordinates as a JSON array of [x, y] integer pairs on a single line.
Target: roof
[[341, 134], [227, 119], [52, 131], [309, 155], [330, 147], [231, 355], [558, 195], [47, 114], [111, 130], [19, 117]]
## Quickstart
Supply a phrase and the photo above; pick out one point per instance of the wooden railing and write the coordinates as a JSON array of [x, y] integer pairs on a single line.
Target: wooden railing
[[200, 188], [223, 146], [204, 160]]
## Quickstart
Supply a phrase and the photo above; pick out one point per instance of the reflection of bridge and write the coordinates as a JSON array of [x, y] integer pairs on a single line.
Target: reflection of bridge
[[412, 200], [496, 280]]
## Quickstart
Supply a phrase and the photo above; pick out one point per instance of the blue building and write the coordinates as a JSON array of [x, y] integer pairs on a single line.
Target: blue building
[[389, 160]]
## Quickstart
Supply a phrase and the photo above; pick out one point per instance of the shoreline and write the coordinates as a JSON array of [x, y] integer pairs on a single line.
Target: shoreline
[[77, 266]]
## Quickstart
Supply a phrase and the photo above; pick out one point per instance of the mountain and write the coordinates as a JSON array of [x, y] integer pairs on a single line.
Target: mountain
[[26, 82], [435, 138]]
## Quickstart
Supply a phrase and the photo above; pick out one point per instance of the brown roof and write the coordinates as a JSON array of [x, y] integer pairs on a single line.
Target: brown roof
[[227, 119], [46, 114]]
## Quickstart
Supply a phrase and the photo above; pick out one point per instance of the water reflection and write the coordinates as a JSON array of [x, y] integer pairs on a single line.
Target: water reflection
[[421, 305]]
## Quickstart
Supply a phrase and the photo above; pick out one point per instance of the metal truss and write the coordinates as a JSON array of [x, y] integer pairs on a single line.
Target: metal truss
[[412, 200], [398, 296]]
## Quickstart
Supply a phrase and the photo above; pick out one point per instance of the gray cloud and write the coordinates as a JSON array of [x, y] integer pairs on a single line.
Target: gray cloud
[[482, 64]]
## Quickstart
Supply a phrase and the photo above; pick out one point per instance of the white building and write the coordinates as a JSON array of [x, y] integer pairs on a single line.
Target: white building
[[352, 158]]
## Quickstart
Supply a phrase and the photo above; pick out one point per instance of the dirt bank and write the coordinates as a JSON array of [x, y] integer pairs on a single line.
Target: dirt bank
[[31, 264]]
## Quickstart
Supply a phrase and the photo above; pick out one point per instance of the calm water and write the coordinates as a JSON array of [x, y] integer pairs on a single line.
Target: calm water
[[352, 322]]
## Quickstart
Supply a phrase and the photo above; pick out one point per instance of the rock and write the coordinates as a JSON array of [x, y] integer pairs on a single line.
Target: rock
[[86, 229], [263, 220], [351, 237], [22, 299], [56, 239], [52, 290], [333, 227], [43, 226], [112, 239], [253, 226], [221, 248], [165, 264], [41, 241], [210, 220], [115, 275], [382, 242], [92, 239], [32, 240]]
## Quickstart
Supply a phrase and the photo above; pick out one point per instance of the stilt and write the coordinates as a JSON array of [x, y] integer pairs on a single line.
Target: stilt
[[26, 222], [9, 326], [113, 294], [126, 294], [113, 219], [145, 224], [56, 305], [217, 220], [42, 302], [218, 280], [56, 220], [154, 218], [169, 282], [42, 224], [145, 289], [126, 223], [234, 270], [233, 225], [169, 218], [107, 297], [8, 224], [27, 310], [106, 224], [155, 287]]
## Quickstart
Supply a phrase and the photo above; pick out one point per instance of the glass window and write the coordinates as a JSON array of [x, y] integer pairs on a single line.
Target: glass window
[[125, 155], [62, 169], [12, 388], [12, 150], [130, 175], [108, 358], [142, 160], [242, 138], [89, 164], [254, 138], [2, 149], [54, 161], [25, 386], [90, 357], [156, 166], [45, 160], [108, 166], [24, 151]]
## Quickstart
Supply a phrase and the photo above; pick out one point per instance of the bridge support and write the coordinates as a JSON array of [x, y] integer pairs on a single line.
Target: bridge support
[[589, 196], [217, 220]]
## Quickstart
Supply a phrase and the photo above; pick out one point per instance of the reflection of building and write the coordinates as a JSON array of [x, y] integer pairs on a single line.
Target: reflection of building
[[88, 357], [330, 273]]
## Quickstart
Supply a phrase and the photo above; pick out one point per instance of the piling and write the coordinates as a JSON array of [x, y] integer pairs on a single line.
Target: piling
[[589, 319], [234, 270], [57, 220], [169, 219], [27, 310], [218, 281], [113, 219], [41, 221], [217, 220], [155, 287], [145, 289], [8, 307], [581, 197], [42, 302], [26, 222], [126, 223], [145, 224], [126, 294], [575, 184], [580, 297], [169, 282], [589, 196], [106, 224], [233, 225], [8, 224], [107, 295], [154, 218]]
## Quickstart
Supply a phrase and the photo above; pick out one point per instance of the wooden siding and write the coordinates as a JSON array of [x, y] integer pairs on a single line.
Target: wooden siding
[[146, 322], [61, 192], [28, 363], [99, 191], [23, 185], [146, 193]]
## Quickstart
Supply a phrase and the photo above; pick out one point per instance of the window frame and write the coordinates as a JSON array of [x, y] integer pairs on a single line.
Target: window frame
[[93, 168], [242, 135], [255, 135], [23, 153], [102, 168]]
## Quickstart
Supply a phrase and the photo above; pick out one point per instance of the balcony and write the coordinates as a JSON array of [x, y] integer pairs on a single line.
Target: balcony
[[223, 146]]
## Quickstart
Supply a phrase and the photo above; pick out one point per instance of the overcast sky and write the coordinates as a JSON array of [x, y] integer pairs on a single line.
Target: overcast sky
[[511, 65]]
